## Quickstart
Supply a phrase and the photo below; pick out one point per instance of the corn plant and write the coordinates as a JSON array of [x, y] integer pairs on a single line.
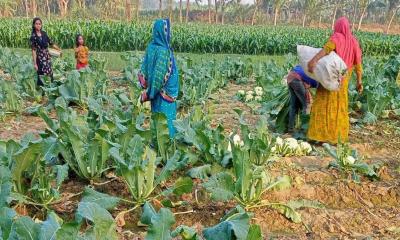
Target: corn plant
[[199, 38]]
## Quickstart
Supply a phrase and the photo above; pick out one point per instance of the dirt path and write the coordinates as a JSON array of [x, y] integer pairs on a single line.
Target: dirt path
[[223, 103]]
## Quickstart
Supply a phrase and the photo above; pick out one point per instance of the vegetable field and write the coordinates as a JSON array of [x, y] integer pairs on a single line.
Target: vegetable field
[[194, 38], [80, 160]]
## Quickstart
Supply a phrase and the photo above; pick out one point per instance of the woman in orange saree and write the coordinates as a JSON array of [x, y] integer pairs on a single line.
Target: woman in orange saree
[[329, 120]]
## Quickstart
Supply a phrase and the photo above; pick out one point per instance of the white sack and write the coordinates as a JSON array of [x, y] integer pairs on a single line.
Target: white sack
[[329, 70]]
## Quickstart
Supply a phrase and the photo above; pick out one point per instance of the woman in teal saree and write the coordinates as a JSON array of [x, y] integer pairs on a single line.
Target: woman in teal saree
[[159, 75]]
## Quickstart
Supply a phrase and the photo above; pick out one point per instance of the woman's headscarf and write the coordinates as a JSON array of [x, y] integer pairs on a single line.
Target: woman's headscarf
[[347, 46], [159, 56]]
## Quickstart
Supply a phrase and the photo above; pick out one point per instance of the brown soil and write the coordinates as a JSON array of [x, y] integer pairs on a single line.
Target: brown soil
[[15, 127]]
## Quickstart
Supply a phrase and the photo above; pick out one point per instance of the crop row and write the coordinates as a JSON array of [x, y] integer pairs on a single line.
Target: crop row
[[196, 38]]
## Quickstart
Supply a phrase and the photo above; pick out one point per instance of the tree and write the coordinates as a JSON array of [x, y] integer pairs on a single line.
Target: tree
[[216, 2], [364, 4], [34, 8], [209, 11], [393, 8], [137, 10], [7, 8], [257, 4], [63, 6], [26, 4], [128, 10], [310, 7], [48, 9], [187, 10], [335, 9], [170, 3], [160, 8], [180, 11], [278, 4]]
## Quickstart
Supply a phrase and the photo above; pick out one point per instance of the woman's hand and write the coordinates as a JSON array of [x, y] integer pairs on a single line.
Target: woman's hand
[[36, 67], [311, 65], [360, 87]]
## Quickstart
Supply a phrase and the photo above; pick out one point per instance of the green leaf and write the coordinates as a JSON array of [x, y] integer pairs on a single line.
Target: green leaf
[[49, 228], [61, 173], [185, 232], [24, 228], [6, 221], [254, 233], [148, 213], [5, 185], [104, 200], [47, 119], [23, 159], [68, 231], [50, 149], [202, 172], [287, 211], [182, 186], [161, 132], [104, 226], [172, 164], [160, 226], [281, 183], [221, 187], [236, 226], [330, 150]]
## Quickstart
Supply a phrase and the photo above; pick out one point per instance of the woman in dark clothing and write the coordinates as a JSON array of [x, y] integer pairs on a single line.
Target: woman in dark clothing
[[40, 42], [300, 97]]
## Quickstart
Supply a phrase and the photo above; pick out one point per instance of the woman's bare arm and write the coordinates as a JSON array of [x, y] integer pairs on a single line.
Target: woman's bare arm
[[34, 59], [313, 62]]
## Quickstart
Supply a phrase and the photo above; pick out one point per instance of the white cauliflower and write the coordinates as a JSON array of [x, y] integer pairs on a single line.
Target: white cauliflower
[[259, 91], [292, 143], [273, 149], [236, 140], [258, 98], [305, 147], [249, 98], [241, 92], [279, 141], [250, 93], [350, 159]]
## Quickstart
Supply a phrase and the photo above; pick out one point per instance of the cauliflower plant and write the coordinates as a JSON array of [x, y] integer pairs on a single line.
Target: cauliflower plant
[[249, 98], [259, 91], [237, 141], [279, 141], [350, 160], [292, 143], [241, 92], [305, 147]]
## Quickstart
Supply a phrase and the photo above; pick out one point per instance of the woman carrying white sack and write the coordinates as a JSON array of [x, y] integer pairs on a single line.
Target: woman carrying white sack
[[329, 120]]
